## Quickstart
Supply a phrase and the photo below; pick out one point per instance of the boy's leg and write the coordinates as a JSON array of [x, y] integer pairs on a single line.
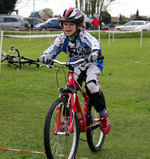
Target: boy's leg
[[97, 100], [99, 104], [96, 96]]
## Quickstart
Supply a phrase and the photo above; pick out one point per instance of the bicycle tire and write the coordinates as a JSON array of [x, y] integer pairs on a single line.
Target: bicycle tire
[[3, 59], [57, 146], [95, 138]]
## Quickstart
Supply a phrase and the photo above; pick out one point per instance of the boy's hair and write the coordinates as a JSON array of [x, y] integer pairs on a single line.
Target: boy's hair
[[81, 26]]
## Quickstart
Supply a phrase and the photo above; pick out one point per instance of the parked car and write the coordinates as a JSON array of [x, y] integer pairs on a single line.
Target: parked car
[[37, 21], [51, 24], [104, 26], [131, 25], [13, 21], [111, 26], [47, 21], [107, 27], [145, 27]]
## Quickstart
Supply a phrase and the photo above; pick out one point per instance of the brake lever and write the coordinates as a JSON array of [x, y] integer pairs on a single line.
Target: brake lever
[[50, 65]]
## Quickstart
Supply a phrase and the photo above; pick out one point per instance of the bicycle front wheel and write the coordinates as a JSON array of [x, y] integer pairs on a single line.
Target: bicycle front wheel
[[95, 137], [61, 145]]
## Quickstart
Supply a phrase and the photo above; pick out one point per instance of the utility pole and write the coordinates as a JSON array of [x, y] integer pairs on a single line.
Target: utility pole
[[118, 13], [33, 13]]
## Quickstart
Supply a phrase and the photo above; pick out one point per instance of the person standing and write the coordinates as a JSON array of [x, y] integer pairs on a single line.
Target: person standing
[[95, 23], [87, 22]]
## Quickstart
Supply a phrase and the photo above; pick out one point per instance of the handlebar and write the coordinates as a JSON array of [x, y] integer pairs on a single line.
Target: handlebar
[[76, 62], [69, 63]]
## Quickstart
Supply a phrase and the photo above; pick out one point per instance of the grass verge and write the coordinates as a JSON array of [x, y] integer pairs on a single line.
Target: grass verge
[[25, 96]]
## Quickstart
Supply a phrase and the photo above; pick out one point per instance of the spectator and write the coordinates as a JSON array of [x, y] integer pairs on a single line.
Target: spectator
[[95, 23], [100, 21], [87, 22]]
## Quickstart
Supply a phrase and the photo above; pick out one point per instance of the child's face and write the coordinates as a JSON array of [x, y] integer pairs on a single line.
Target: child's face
[[69, 28]]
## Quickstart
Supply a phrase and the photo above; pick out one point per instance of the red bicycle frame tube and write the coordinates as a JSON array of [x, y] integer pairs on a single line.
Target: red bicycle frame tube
[[75, 104], [58, 119]]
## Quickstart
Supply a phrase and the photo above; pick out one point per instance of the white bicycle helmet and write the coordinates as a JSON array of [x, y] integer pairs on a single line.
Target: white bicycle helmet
[[72, 15]]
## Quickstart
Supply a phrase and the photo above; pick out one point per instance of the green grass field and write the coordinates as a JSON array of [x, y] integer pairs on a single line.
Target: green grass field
[[25, 97]]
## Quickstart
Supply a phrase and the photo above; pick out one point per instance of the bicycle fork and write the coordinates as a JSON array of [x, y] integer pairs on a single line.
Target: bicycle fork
[[71, 106]]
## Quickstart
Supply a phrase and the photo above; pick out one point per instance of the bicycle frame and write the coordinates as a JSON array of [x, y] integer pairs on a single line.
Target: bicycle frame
[[75, 106], [18, 59]]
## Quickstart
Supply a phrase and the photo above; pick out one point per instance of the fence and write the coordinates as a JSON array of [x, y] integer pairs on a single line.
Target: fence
[[1, 44], [47, 34], [32, 34]]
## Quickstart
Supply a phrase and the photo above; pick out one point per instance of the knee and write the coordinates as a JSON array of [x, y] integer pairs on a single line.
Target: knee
[[93, 87]]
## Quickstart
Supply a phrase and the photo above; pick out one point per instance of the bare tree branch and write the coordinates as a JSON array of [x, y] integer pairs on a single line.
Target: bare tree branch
[[93, 6]]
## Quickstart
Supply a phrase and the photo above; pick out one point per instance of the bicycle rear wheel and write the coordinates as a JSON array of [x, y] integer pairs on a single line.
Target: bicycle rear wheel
[[59, 146], [95, 137]]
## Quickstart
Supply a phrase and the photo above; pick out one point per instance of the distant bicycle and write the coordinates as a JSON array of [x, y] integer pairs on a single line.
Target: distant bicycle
[[17, 60], [65, 120]]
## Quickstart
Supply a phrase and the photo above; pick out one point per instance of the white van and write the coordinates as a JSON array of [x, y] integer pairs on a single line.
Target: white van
[[131, 25], [13, 21]]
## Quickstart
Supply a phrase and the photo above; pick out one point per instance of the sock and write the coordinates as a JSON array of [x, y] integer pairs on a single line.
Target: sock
[[102, 113]]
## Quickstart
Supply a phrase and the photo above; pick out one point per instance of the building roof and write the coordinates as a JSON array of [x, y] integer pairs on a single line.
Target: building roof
[[114, 19], [45, 17]]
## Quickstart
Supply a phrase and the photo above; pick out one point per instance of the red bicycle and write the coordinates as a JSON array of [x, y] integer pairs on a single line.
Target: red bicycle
[[59, 142]]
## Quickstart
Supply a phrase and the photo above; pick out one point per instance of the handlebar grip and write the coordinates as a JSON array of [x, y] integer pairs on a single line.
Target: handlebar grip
[[100, 57]]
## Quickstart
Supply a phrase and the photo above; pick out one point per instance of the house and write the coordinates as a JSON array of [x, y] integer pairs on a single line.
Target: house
[[133, 17], [45, 17], [114, 20]]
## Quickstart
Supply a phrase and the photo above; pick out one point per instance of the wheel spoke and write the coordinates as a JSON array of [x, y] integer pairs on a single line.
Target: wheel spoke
[[95, 137], [57, 146]]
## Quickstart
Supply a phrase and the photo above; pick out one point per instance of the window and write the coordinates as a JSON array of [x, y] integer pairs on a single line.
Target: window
[[55, 22], [135, 23], [130, 23], [140, 23], [1, 20], [9, 19]]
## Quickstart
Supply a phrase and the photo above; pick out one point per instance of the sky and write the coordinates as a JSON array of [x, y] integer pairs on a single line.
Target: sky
[[123, 7], [130, 7]]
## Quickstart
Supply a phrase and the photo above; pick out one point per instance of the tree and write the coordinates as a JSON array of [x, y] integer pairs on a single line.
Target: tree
[[92, 7], [47, 11], [137, 13], [122, 19], [40, 13], [7, 6], [37, 14], [137, 17], [106, 17]]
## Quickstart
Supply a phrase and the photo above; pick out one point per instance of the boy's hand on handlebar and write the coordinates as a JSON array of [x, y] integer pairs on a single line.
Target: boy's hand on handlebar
[[44, 59], [93, 56]]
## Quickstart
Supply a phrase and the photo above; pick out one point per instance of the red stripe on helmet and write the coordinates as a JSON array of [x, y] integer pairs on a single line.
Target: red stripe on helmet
[[77, 13], [68, 11]]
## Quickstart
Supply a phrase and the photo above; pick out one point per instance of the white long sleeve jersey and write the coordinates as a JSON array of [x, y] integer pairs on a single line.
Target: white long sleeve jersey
[[82, 46]]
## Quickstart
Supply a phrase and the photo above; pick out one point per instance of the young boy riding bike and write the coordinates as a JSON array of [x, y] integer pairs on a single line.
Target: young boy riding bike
[[79, 44]]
